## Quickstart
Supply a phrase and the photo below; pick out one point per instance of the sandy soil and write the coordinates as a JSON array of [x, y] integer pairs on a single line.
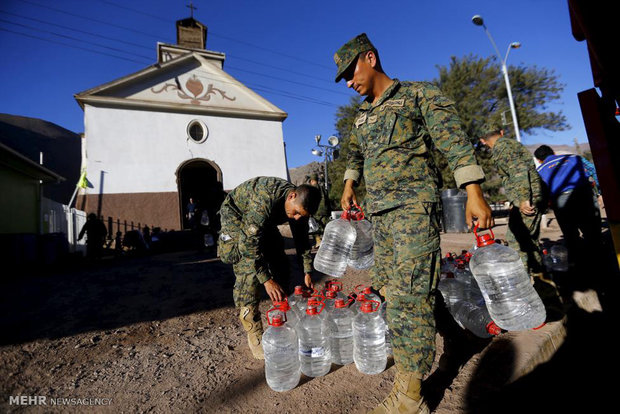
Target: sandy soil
[[160, 334]]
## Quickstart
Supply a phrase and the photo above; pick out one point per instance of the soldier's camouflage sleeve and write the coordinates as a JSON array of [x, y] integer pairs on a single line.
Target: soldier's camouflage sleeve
[[355, 158], [443, 125]]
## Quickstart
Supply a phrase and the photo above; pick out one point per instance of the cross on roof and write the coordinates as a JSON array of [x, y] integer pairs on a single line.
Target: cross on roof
[[192, 8]]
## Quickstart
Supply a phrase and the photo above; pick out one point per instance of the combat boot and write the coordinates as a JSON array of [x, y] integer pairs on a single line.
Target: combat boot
[[405, 397], [253, 325]]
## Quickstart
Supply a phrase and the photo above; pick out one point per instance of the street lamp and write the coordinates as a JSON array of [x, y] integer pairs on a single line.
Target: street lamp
[[478, 21], [327, 152]]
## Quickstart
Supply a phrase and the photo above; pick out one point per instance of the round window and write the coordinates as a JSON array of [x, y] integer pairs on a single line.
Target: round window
[[197, 131]]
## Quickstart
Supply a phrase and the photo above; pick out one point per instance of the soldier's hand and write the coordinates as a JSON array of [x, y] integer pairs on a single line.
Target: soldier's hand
[[308, 281], [274, 290], [477, 211], [348, 196], [527, 208]]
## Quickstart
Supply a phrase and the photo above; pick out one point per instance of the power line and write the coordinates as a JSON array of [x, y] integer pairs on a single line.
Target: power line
[[76, 30], [72, 46], [156, 36], [223, 36], [72, 38]]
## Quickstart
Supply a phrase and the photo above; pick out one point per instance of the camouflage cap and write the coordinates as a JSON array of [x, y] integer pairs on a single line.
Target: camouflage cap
[[314, 177], [489, 129], [347, 53]]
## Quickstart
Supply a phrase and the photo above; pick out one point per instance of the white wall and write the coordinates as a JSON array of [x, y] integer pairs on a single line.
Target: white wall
[[140, 150]]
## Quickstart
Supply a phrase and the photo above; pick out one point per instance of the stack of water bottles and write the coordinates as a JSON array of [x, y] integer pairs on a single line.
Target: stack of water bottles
[[309, 331], [346, 242]]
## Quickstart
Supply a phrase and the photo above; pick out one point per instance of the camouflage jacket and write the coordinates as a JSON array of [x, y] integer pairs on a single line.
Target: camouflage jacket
[[390, 143], [253, 206], [516, 166]]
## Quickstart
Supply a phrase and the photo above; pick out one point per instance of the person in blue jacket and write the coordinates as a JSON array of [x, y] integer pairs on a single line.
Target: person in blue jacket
[[573, 192]]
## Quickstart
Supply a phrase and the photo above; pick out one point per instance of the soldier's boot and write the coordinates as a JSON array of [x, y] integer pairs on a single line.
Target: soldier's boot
[[253, 325], [405, 397]]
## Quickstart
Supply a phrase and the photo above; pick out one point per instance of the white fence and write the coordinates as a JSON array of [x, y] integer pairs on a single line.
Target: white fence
[[59, 218]]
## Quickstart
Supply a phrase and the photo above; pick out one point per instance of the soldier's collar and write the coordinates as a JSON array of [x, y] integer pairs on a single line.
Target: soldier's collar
[[366, 105]]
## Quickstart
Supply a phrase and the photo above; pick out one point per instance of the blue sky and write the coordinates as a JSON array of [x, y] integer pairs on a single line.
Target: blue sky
[[281, 49]]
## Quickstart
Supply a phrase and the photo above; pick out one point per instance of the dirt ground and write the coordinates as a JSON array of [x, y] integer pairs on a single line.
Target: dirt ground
[[160, 334]]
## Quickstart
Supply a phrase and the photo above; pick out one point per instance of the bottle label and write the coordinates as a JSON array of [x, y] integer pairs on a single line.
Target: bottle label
[[314, 352]]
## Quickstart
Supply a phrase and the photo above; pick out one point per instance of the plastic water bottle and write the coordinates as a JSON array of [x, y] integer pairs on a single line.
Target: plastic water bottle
[[314, 341], [330, 300], [298, 300], [559, 257], [359, 300], [547, 260], [291, 316], [335, 249], [341, 319], [388, 331], [299, 294], [475, 319], [362, 253], [369, 339], [336, 286], [508, 293], [452, 290], [368, 293], [447, 265], [280, 345]]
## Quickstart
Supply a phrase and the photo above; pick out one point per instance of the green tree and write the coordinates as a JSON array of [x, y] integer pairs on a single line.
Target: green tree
[[479, 91]]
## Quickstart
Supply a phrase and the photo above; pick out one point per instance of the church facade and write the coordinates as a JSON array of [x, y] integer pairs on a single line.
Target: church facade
[[182, 128]]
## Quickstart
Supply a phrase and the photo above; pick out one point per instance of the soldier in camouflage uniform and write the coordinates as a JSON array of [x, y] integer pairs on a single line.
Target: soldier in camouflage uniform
[[397, 125], [524, 191], [528, 202], [250, 241]]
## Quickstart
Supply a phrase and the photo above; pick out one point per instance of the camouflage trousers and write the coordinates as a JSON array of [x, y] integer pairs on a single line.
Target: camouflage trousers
[[522, 235], [248, 290], [407, 262]]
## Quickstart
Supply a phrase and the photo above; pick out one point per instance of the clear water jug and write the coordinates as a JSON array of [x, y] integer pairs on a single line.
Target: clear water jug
[[291, 316], [335, 249], [298, 300], [448, 265], [314, 341], [508, 293], [369, 339], [559, 258], [280, 345], [362, 253], [475, 319], [341, 319], [388, 331], [336, 286]]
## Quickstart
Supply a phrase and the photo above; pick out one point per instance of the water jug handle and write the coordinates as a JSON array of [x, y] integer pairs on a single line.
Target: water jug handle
[[484, 239], [270, 320], [357, 215], [331, 283]]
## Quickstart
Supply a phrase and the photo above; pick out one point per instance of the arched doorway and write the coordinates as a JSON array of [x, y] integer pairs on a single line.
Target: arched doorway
[[200, 180]]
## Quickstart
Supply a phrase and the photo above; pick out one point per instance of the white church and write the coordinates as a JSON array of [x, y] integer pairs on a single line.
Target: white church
[[180, 128]]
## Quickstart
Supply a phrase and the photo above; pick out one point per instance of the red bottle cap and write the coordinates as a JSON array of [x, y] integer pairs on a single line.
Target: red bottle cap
[[493, 329]]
